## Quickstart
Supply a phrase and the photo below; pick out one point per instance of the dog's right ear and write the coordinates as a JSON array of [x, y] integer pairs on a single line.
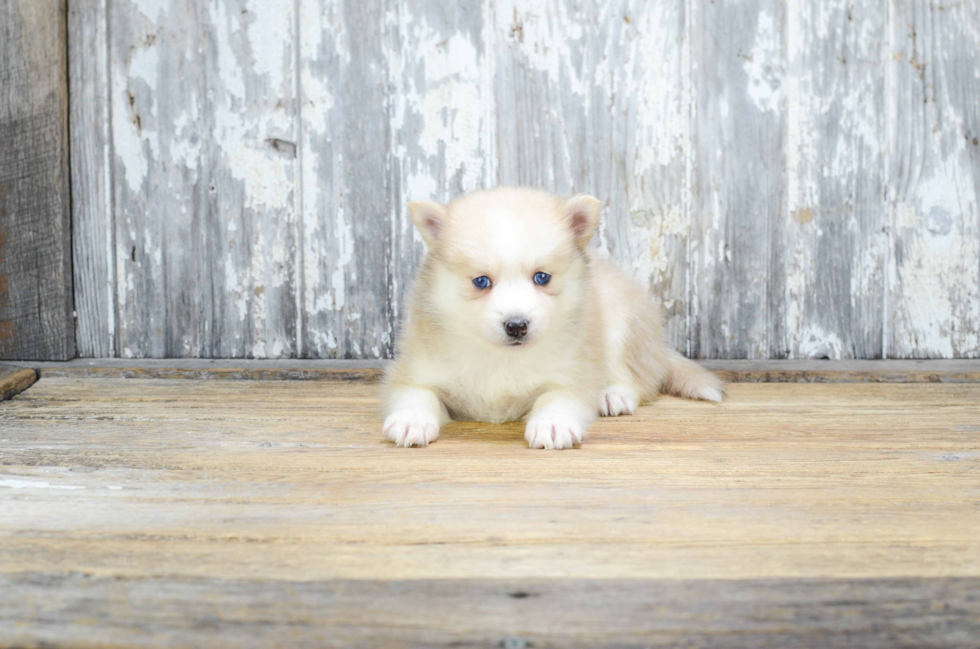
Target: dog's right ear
[[430, 218], [582, 214]]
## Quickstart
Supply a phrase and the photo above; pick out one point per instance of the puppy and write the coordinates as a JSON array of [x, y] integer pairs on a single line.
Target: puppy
[[512, 318]]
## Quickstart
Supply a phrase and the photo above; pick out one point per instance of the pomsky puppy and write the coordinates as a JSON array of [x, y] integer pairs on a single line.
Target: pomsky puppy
[[512, 318]]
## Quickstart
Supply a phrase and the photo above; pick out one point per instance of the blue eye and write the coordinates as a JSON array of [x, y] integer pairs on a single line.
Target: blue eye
[[482, 282], [542, 278]]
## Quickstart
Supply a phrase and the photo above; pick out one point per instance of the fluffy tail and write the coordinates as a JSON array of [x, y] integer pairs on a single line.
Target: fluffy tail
[[687, 379]]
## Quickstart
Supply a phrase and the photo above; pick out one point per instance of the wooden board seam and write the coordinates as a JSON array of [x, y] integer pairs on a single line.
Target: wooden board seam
[[881, 371]]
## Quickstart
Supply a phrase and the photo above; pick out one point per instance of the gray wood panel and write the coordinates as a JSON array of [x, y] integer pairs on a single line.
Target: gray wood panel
[[161, 196], [793, 180], [739, 174], [252, 211], [35, 218], [829, 244], [934, 174], [204, 129], [93, 236], [345, 206], [641, 149], [443, 127]]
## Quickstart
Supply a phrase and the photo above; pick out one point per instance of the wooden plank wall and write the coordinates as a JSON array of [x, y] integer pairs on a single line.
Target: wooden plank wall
[[35, 219], [796, 180]]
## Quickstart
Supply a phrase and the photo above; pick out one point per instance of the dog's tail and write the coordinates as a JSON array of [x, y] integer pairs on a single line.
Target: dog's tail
[[688, 379]]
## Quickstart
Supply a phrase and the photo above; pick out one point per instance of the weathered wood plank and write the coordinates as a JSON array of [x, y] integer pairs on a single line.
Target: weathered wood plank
[[346, 212], [292, 481], [59, 608], [542, 99], [442, 119], [739, 188], [204, 128], [253, 100], [828, 275], [934, 180], [260, 163], [91, 179], [780, 371], [639, 147], [14, 380], [167, 511], [35, 221], [162, 197]]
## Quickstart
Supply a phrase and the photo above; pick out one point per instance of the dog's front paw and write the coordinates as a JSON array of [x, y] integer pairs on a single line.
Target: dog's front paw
[[553, 429], [618, 400], [411, 427]]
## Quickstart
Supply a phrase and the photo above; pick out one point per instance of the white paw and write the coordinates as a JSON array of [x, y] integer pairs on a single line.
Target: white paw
[[411, 427], [554, 429], [618, 400], [711, 394]]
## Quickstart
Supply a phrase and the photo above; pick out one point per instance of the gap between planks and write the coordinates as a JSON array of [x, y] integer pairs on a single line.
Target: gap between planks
[[732, 371]]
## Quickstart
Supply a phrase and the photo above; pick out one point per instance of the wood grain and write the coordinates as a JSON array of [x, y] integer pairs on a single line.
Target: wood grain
[[777, 613], [93, 235], [35, 219], [789, 511], [871, 478]]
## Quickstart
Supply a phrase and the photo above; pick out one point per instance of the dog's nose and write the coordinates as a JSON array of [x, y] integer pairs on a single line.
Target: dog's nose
[[516, 328]]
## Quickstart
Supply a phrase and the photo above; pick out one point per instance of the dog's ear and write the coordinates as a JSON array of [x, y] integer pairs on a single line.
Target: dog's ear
[[582, 214], [430, 218]]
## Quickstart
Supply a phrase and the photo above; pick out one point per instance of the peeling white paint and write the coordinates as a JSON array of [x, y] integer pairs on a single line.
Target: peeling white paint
[[815, 343], [547, 37], [135, 136], [242, 134], [764, 66], [345, 244], [651, 262], [444, 100], [938, 302]]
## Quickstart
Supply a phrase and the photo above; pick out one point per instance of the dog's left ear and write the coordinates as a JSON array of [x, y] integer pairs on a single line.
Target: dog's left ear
[[430, 218], [582, 214]]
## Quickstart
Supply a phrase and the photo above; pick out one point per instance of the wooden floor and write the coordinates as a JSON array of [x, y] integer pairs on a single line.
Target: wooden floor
[[252, 513]]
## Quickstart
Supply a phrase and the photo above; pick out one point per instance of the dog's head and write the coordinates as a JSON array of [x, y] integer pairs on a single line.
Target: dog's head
[[507, 264]]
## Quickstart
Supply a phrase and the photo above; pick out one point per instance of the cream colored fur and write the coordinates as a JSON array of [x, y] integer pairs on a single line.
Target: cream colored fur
[[594, 340]]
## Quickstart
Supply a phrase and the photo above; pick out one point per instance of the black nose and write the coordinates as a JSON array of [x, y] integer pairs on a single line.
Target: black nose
[[516, 328]]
